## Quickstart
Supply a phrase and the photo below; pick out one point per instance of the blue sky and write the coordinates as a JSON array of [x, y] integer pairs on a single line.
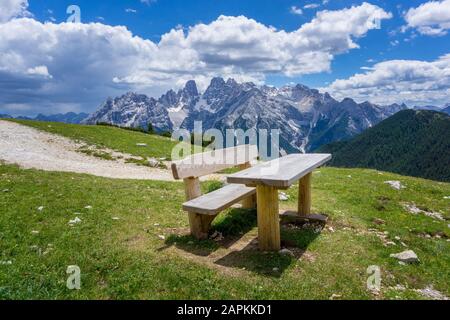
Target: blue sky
[[399, 38], [159, 17]]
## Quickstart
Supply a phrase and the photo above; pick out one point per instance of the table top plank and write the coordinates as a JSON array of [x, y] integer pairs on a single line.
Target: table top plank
[[281, 172]]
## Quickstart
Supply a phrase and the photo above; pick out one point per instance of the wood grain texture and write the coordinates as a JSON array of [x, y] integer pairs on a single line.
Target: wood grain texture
[[209, 162], [199, 228], [282, 172], [304, 195], [248, 202], [200, 225], [192, 188], [268, 219]]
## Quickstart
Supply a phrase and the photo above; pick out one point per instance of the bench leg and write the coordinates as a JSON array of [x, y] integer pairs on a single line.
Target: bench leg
[[268, 219], [304, 195], [200, 225], [249, 202]]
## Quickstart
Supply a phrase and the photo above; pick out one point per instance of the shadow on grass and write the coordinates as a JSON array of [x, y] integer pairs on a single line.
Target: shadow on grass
[[294, 238], [241, 247], [231, 225]]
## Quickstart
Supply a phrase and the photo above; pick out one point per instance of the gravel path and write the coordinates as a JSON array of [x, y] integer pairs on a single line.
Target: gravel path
[[31, 148]]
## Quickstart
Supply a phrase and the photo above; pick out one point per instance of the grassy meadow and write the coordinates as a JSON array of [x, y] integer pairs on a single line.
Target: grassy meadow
[[132, 241]]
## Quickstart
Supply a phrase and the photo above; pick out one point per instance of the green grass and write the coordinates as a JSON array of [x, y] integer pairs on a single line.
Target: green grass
[[125, 258], [109, 137]]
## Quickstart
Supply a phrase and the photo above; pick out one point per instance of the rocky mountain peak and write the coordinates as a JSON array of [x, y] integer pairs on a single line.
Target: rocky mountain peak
[[217, 82], [190, 89], [169, 98], [231, 82], [349, 101]]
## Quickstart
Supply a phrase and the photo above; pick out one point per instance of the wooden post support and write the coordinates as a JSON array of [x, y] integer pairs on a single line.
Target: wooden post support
[[304, 195], [192, 188], [199, 224], [249, 202], [268, 219]]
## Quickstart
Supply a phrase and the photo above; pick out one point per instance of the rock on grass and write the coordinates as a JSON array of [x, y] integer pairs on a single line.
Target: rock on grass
[[431, 293], [412, 208], [286, 252], [397, 185], [74, 221], [407, 256], [283, 196]]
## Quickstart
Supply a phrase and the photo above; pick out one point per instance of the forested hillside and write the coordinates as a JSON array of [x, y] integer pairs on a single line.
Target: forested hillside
[[415, 143]]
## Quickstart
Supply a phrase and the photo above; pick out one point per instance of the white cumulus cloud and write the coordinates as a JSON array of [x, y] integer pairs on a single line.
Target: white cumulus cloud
[[12, 8], [311, 6], [431, 18], [39, 71], [48, 65], [411, 81], [296, 10]]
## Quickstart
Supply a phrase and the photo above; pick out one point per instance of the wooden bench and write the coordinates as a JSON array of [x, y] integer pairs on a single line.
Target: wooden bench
[[203, 209]]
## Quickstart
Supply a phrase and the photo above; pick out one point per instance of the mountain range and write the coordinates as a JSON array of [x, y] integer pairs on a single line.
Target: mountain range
[[411, 142], [307, 119], [69, 117]]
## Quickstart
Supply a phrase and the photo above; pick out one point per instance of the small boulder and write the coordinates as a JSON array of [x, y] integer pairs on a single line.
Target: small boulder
[[431, 293], [407, 256], [74, 221], [216, 236], [283, 196], [152, 162], [287, 252], [397, 185], [141, 144]]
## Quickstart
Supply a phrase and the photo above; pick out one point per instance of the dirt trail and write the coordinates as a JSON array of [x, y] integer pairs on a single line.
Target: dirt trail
[[31, 148]]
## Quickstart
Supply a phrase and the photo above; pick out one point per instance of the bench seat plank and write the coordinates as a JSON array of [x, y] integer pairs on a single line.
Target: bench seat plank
[[214, 202]]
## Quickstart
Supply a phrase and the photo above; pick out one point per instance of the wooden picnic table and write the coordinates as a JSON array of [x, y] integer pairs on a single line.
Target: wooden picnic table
[[271, 176]]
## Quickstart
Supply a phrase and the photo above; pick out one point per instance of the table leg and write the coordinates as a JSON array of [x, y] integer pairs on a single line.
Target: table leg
[[304, 195], [268, 219], [249, 202]]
